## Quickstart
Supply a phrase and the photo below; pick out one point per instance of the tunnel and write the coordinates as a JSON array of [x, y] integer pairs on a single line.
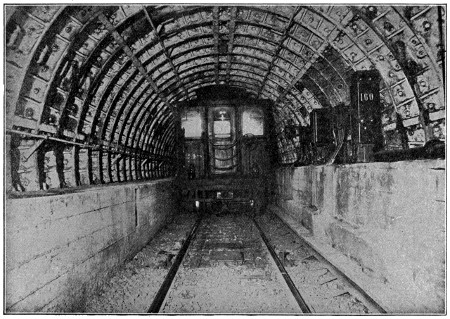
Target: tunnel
[[225, 159]]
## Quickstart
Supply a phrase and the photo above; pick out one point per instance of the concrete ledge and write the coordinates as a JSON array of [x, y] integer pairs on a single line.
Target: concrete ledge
[[60, 248], [388, 218]]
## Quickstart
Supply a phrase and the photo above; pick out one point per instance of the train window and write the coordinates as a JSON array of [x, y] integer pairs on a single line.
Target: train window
[[191, 122], [222, 124], [222, 129], [253, 121]]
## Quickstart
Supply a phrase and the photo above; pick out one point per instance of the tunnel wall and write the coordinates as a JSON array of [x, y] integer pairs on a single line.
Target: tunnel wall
[[388, 218], [60, 249]]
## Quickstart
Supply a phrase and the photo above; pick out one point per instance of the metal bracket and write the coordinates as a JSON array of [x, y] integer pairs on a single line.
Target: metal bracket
[[118, 157], [26, 154]]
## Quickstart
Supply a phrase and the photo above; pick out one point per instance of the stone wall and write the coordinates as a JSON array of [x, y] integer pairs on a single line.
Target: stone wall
[[388, 218], [59, 249]]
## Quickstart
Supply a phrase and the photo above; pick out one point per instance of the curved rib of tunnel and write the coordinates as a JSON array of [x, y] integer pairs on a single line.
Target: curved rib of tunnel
[[93, 94]]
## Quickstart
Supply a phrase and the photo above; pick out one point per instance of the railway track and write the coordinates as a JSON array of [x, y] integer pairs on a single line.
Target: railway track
[[234, 263], [323, 287], [162, 292]]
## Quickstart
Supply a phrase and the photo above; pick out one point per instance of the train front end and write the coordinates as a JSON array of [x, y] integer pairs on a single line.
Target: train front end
[[225, 151]]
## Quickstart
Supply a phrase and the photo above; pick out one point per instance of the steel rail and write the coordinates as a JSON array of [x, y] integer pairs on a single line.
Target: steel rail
[[322, 259], [298, 297], [163, 290]]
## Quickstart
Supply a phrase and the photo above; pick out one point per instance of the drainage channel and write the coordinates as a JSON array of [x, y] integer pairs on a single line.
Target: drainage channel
[[162, 292]]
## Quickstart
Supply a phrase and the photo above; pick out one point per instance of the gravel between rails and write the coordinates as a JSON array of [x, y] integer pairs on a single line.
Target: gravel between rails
[[228, 269]]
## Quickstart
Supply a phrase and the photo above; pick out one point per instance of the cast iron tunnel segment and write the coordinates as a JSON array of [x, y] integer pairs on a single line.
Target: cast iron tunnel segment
[[298, 297], [162, 292]]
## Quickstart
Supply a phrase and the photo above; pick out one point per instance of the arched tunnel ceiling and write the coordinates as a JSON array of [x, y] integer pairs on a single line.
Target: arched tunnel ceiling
[[110, 77]]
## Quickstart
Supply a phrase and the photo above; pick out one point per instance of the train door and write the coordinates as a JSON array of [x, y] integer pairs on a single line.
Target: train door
[[222, 137]]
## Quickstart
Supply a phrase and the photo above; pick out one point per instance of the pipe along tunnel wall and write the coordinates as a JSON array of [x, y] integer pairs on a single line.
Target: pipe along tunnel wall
[[387, 219], [59, 249]]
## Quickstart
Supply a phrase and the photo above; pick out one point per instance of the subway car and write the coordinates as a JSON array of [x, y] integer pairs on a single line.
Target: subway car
[[225, 152]]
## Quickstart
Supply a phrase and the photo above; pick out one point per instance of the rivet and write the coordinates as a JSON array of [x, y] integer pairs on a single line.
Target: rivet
[[388, 26], [426, 25], [29, 112]]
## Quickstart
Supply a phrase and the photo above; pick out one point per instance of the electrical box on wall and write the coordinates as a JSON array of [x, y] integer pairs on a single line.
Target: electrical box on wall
[[367, 135], [322, 126], [322, 129]]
